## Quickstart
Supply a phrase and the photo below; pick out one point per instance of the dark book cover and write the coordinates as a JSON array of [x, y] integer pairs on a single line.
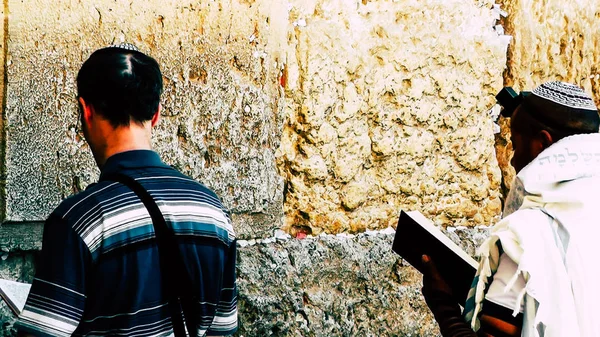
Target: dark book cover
[[416, 236]]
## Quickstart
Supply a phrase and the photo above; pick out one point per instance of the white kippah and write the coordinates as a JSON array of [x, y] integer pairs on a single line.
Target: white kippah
[[565, 94], [126, 46]]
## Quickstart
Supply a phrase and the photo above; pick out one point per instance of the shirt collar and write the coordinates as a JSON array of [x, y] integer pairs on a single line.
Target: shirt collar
[[131, 160]]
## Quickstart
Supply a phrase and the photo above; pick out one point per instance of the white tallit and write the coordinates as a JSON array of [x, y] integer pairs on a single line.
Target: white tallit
[[551, 229]]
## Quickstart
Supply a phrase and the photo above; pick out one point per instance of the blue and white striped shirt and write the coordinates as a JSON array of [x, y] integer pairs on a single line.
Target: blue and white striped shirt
[[99, 272]]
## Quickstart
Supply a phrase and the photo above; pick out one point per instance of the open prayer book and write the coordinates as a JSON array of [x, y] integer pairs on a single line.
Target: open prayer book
[[416, 236], [14, 294]]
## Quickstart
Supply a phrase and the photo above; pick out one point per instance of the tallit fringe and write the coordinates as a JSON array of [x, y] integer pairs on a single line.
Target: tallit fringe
[[489, 254]]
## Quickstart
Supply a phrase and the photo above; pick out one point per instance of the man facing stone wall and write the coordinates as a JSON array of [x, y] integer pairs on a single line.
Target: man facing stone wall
[[313, 116]]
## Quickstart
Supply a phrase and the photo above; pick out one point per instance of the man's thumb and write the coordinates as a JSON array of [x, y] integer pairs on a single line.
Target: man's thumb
[[425, 259], [427, 265]]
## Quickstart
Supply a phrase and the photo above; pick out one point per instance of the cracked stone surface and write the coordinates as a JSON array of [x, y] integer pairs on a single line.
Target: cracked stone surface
[[322, 115], [386, 111], [335, 286]]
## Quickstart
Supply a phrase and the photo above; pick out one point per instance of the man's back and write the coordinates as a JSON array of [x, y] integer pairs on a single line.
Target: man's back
[[552, 239], [110, 279]]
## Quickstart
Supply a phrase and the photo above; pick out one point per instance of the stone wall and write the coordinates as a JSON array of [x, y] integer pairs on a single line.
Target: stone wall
[[554, 42], [386, 110], [335, 285], [311, 116]]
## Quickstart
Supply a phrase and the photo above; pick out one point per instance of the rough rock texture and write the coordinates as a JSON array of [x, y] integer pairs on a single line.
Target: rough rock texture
[[387, 110], [552, 41], [17, 266], [3, 44], [19, 247], [334, 286], [222, 115], [20, 237]]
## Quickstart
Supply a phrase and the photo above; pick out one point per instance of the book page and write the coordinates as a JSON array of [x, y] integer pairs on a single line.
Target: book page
[[15, 294]]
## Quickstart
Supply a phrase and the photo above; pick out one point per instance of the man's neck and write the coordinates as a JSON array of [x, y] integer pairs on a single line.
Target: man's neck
[[124, 139]]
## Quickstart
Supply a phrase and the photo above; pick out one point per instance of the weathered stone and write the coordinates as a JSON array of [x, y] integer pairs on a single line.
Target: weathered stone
[[335, 286], [553, 42], [3, 42], [398, 107], [223, 109], [19, 247], [18, 266], [20, 237], [504, 153], [8, 319], [392, 111]]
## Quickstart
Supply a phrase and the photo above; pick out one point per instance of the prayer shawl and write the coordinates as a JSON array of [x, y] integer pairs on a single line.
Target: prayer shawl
[[551, 230]]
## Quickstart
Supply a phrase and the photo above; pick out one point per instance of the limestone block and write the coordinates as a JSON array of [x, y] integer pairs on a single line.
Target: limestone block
[[504, 153], [551, 42], [330, 286], [223, 106], [394, 96], [18, 266], [342, 285], [20, 237]]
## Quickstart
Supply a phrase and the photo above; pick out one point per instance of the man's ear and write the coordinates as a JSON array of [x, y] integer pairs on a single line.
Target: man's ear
[[156, 116], [545, 138], [540, 142], [87, 111]]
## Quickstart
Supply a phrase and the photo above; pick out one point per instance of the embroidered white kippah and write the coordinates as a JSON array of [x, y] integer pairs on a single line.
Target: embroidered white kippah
[[565, 94], [125, 45]]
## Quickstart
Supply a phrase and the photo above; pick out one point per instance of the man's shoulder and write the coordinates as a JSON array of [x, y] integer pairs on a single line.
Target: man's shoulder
[[173, 182], [167, 182], [86, 199]]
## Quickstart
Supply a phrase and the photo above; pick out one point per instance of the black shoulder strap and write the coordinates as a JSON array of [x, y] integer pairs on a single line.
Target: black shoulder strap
[[175, 281]]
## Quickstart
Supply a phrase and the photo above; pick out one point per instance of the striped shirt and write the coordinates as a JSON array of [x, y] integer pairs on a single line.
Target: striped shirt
[[99, 272]]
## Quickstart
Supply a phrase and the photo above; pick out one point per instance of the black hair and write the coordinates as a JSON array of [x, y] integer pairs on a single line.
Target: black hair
[[122, 85], [560, 121]]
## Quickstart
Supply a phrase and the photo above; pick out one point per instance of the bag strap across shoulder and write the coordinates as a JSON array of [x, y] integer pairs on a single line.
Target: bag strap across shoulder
[[175, 280]]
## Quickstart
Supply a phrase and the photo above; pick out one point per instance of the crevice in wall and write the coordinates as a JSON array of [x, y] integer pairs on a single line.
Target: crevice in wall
[[503, 144]]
